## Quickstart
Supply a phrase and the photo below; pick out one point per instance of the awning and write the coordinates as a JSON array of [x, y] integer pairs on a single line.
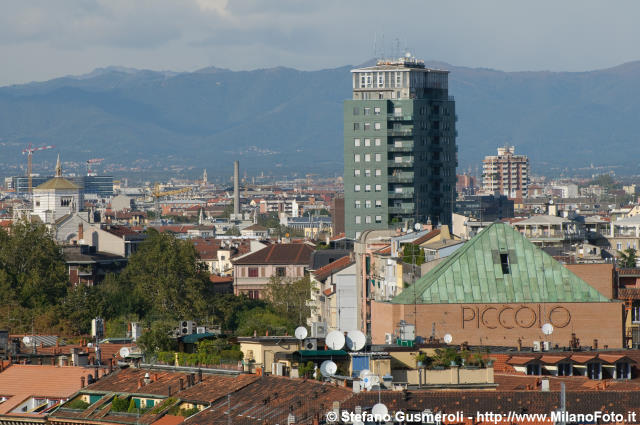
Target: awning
[[322, 353]]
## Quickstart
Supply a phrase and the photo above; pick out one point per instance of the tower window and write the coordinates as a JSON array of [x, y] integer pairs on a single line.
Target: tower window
[[504, 262]]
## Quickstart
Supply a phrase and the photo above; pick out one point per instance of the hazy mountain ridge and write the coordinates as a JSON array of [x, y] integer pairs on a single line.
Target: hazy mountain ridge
[[293, 119]]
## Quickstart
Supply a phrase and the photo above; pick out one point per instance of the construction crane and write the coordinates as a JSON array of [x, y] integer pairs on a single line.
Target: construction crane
[[157, 194], [29, 150], [90, 162]]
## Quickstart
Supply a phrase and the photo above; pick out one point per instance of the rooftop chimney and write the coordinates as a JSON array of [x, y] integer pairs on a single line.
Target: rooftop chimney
[[82, 382], [236, 188]]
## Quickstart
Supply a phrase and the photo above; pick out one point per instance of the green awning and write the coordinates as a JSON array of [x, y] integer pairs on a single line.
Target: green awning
[[193, 338]]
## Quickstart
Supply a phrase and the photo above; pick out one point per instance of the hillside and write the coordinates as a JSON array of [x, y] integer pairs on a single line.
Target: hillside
[[292, 120]]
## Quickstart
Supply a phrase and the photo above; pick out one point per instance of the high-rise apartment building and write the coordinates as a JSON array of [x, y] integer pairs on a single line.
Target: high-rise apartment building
[[400, 153], [506, 173]]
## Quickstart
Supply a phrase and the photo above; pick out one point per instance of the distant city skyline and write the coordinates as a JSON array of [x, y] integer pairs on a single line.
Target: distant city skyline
[[44, 40]]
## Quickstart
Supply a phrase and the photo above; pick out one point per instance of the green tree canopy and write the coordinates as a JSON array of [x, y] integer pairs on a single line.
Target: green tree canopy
[[412, 254], [289, 298], [627, 258], [167, 279]]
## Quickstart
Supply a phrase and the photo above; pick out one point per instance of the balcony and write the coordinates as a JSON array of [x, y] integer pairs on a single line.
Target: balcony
[[400, 195], [401, 178], [393, 117], [403, 147], [401, 164], [401, 210], [400, 132]]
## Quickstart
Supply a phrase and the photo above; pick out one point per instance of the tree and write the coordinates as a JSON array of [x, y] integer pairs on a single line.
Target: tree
[[157, 338], [32, 268], [412, 254], [233, 231], [627, 258], [261, 320], [289, 298], [167, 279]]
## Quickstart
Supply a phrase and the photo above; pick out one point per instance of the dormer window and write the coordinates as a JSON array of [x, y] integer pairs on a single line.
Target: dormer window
[[504, 262], [65, 201]]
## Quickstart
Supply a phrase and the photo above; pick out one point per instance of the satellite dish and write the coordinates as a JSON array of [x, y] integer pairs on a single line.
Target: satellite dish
[[547, 329], [417, 226], [356, 340], [379, 410], [328, 368], [301, 332], [448, 338], [26, 340], [335, 340], [364, 372], [124, 352]]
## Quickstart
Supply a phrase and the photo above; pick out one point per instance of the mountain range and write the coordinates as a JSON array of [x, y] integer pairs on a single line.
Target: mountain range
[[282, 119]]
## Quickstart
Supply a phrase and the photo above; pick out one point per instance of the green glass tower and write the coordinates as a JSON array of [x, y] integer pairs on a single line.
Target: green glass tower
[[400, 153]]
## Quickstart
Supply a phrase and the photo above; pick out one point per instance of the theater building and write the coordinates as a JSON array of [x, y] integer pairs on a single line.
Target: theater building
[[499, 290]]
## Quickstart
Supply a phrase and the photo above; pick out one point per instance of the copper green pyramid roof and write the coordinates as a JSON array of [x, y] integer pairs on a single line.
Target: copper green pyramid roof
[[475, 274], [58, 183]]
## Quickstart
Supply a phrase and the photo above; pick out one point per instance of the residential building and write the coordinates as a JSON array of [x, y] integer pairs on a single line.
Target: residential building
[[252, 273], [506, 173], [485, 207], [400, 153]]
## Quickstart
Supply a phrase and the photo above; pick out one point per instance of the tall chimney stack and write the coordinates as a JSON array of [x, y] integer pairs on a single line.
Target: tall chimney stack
[[236, 189]]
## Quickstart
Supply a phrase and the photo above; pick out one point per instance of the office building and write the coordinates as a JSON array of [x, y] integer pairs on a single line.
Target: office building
[[506, 173], [101, 186], [399, 147]]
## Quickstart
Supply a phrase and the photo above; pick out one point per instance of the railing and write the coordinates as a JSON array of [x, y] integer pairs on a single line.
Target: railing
[[400, 210], [394, 117], [400, 195], [401, 179], [396, 132], [403, 164]]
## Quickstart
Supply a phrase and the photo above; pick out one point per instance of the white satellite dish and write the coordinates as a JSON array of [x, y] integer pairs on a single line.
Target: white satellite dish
[[26, 340], [124, 352], [364, 372], [379, 410], [335, 340], [448, 338], [547, 329], [417, 226], [301, 332], [328, 368], [356, 340]]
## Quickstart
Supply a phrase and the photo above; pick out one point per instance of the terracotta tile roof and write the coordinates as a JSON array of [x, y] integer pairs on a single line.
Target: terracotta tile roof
[[629, 293], [128, 380], [384, 251], [635, 271], [522, 360], [339, 236], [256, 227], [286, 253], [424, 238], [550, 359], [169, 420], [270, 399], [340, 264], [613, 358], [120, 230], [220, 279], [510, 382], [214, 387], [19, 382]]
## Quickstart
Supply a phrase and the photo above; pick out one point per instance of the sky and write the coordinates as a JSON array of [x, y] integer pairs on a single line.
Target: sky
[[44, 39]]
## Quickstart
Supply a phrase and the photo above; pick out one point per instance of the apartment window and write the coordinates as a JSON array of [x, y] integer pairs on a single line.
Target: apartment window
[[378, 188], [356, 142], [397, 112], [367, 126], [253, 294], [367, 188], [378, 219], [378, 203], [377, 142], [378, 172], [281, 271], [65, 201], [533, 369], [376, 111], [380, 79], [376, 126], [356, 157], [356, 111], [367, 219], [358, 235], [356, 188], [356, 126], [618, 246], [378, 157], [367, 111], [367, 173], [367, 157], [358, 219], [253, 272], [367, 203], [356, 173], [357, 204], [367, 142]]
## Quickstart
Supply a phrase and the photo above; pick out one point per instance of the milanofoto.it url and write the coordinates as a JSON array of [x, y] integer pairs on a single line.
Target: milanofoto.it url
[[487, 417]]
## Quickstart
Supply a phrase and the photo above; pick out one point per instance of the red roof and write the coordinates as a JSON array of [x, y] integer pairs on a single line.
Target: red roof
[[169, 420], [340, 264], [220, 279], [422, 239], [285, 253]]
